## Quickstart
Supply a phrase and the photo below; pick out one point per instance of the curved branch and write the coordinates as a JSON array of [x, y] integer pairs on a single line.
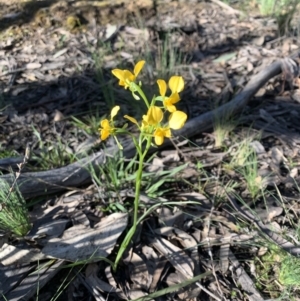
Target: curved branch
[[236, 105]]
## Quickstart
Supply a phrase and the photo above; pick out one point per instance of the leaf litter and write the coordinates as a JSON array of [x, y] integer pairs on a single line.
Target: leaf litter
[[231, 64]]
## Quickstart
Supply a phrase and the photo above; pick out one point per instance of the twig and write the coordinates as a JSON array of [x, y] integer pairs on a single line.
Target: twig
[[18, 173], [209, 250], [208, 292], [244, 280]]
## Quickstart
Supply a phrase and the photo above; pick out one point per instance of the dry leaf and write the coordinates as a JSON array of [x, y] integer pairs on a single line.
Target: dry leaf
[[186, 240], [91, 244], [139, 272], [273, 212], [156, 165], [290, 69], [258, 147], [244, 280], [29, 285], [51, 229], [58, 116], [31, 66], [91, 277], [277, 156], [178, 258], [224, 253]]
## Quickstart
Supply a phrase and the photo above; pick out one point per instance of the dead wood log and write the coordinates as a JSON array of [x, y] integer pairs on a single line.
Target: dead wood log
[[33, 184], [236, 105]]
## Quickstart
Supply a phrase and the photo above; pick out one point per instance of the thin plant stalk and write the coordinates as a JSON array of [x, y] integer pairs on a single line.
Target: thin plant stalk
[[152, 126], [138, 183]]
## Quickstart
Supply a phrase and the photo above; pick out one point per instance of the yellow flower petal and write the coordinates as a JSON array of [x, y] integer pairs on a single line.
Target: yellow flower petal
[[138, 67], [105, 129], [177, 120], [128, 76], [114, 112], [145, 124], [118, 73], [104, 134], [169, 106], [105, 124], [174, 97], [133, 120], [176, 84], [169, 102], [162, 87], [167, 133], [160, 134], [154, 115], [145, 120], [124, 76], [159, 140]]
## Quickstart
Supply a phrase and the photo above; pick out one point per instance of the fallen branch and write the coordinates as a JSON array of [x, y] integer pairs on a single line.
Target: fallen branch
[[236, 105]]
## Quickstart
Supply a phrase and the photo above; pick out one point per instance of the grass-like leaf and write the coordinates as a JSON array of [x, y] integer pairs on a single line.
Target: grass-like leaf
[[173, 288], [13, 211]]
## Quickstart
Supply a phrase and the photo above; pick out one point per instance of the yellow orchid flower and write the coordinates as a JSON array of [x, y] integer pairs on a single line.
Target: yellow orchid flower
[[154, 116], [177, 120], [160, 134], [107, 126], [176, 85], [126, 77]]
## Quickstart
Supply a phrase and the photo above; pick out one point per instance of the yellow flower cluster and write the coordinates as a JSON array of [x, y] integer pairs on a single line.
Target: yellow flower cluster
[[153, 122]]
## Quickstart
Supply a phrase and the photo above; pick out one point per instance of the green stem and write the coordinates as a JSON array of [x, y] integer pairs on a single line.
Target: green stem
[[140, 91], [129, 235]]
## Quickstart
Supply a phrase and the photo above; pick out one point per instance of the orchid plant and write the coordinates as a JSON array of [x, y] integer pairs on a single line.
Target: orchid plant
[[160, 118]]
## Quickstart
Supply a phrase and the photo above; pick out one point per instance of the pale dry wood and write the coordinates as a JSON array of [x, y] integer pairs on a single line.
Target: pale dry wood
[[11, 275], [31, 284], [178, 258], [88, 244], [244, 280], [10, 255], [77, 243], [52, 181]]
